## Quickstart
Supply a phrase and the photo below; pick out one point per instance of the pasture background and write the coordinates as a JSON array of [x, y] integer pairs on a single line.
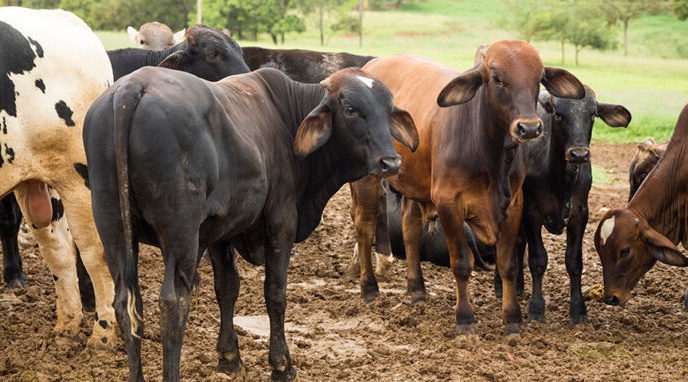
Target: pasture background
[[652, 87]]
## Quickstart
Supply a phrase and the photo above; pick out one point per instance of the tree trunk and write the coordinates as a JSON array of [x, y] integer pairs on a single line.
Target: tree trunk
[[360, 23], [320, 22], [625, 22], [578, 49], [563, 53]]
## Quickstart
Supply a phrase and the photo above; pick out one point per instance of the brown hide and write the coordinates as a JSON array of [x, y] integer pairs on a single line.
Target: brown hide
[[468, 163], [631, 240]]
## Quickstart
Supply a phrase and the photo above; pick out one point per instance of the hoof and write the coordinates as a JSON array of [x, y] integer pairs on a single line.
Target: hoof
[[513, 328], [418, 296], [284, 376], [685, 300], [370, 296], [17, 282], [465, 329], [233, 368], [582, 319], [539, 317]]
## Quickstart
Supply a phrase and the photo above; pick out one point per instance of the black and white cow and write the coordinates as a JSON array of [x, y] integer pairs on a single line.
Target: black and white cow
[[247, 162], [53, 66]]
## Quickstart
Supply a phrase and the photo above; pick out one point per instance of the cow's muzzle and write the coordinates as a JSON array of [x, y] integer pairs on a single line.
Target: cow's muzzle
[[388, 166], [611, 300], [527, 130], [578, 155]]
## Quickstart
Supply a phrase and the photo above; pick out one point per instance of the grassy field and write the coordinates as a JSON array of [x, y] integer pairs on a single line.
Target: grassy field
[[651, 82]]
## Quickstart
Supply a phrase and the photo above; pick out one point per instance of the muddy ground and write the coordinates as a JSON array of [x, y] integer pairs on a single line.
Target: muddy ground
[[334, 336]]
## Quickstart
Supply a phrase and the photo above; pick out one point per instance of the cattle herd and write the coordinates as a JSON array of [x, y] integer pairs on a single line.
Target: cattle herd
[[247, 145]]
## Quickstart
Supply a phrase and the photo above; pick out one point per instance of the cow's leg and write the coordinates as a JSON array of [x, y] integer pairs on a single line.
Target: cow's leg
[[180, 254], [412, 230], [281, 234], [461, 262], [226, 292], [508, 266], [10, 222], [574, 260], [364, 212], [77, 205], [383, 247], [537, 262], [56, 247]]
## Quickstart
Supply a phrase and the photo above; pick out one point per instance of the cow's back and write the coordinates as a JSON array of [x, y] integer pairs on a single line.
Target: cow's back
[[56, 68], [415, 82]]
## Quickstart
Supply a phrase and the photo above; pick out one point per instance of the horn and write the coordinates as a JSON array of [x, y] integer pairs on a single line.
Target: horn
[[326, 83]]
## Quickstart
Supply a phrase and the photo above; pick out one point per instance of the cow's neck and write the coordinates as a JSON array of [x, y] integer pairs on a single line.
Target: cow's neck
[[155, 57], [663, 198]]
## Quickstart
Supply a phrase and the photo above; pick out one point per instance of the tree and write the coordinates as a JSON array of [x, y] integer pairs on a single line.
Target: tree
[[624, 11], [680, 9], [587, 27]]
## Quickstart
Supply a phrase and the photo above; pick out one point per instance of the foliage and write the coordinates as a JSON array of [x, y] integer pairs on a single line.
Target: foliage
[[624, 11], [680, 9]]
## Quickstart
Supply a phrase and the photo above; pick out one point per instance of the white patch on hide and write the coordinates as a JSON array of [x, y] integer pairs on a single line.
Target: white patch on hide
[[606, 229], [367, 81]]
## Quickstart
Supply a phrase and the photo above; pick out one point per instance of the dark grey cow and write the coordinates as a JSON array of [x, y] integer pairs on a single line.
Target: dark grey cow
[[246, 162]]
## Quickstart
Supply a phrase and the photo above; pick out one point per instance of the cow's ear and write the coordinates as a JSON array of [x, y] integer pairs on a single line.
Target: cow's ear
[[462, 88], [314, 131], [403, 128], [132, 34], [176, 60], [662, 248], [614, 115], [179, 36], [561, 83]]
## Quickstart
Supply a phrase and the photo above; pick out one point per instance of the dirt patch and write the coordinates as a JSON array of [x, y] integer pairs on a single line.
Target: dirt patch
[[334, 336]]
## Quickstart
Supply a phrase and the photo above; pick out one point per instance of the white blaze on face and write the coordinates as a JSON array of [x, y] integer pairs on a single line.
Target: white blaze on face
[[367, 81], [606, 229]]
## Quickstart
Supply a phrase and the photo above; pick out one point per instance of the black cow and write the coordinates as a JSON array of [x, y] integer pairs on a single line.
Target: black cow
[[206, 52], [302, 65], [556, 191], [245, 162]]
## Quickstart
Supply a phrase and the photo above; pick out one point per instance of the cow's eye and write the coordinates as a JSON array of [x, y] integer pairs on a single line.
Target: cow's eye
[[497, 81], [350, 110], [625, 252], [558, 117], [213, 55], [142, 42]]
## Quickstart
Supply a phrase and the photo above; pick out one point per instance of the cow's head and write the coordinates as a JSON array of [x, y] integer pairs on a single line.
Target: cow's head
[[572, 121], [644, 160], [359, 113], [510, 73], [154, 36], [207, 53], [628, 247]]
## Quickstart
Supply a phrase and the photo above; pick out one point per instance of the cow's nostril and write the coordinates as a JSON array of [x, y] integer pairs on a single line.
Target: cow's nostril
[[390, 165], [611, 300], [529, 130]]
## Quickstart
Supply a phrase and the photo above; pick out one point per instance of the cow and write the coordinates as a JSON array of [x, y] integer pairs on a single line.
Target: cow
[[154, 36], [556, 188], [206, 53], [245, 162], [644, 160], [632, 239], [469, 164], [53, 67], [301, 65]]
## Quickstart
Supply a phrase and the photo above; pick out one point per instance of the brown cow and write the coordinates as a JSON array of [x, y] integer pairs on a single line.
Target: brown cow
[[154, 36], [468, 164], [630, 240], [644, 160]]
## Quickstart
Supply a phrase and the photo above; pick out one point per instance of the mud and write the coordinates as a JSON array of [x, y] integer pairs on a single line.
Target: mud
[[334, 336]]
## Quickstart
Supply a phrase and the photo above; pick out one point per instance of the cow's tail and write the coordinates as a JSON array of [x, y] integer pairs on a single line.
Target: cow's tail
[[125, 101]]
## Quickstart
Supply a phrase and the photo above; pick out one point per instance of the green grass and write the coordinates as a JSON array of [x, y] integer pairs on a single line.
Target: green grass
[[652, 82]]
